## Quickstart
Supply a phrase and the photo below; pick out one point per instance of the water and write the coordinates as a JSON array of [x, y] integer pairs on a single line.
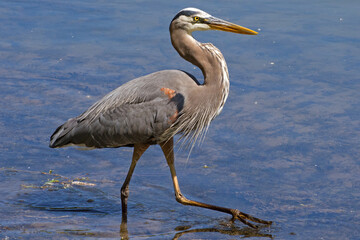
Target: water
[[285, 148]]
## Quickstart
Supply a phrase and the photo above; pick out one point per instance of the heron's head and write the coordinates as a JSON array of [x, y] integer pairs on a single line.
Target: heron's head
[[193, 19]]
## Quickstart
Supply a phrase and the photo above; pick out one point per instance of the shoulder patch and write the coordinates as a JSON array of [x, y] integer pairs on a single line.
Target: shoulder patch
[[169, 92]]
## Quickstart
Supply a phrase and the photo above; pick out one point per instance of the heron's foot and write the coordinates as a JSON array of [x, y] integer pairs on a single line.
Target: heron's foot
[[245, 218]]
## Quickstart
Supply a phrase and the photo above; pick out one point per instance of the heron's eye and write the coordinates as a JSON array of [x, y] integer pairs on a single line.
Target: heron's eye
[[196, 19]]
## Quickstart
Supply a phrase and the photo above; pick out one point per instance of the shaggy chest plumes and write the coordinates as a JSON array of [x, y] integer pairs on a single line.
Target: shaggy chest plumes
[[194, 120], [223, 80]]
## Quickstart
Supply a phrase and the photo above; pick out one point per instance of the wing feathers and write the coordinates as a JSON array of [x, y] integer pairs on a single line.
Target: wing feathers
[[136, 112], [122, 126]]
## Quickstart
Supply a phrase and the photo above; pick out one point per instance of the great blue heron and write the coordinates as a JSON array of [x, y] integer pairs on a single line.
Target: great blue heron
[[152, 109]]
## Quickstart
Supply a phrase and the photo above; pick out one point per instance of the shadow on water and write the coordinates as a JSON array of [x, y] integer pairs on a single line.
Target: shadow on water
[[244, 233], [65, 198], [182, 231]]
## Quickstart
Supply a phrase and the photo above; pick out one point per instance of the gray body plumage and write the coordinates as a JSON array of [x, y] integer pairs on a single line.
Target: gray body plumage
[[136, 112]]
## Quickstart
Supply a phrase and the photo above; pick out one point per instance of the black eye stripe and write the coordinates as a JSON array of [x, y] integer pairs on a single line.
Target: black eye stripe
[[184, 13]]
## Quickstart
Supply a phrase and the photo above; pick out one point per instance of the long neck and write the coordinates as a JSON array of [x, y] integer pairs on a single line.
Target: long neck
[[205, 102], [207, 57], [212, 64]]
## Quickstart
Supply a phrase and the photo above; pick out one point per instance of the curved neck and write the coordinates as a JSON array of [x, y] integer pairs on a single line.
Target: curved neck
[[205, 56]]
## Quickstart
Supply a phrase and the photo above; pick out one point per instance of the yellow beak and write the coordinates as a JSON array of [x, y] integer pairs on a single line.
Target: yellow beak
[[222, 25]]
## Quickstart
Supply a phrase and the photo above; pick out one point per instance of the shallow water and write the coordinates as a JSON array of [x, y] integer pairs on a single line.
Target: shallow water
[[285, 148]]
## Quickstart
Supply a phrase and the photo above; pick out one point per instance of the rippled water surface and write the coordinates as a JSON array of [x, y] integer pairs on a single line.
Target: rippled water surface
[[285, 148]]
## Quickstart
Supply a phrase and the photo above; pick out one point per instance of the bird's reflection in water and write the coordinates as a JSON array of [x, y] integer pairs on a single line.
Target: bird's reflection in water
[[222, 228], [244, 232], [124, 231]]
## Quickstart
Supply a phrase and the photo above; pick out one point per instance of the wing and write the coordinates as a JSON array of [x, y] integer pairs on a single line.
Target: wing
[[139, 111]]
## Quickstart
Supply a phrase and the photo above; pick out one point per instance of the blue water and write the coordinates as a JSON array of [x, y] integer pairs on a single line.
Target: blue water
[[285, 148]]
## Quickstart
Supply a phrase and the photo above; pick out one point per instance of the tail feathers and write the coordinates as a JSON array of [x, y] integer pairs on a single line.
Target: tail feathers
[[61, 137]]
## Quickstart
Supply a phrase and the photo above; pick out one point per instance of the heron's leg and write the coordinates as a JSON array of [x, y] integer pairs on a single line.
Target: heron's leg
[[168, 149], [139, 149]]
